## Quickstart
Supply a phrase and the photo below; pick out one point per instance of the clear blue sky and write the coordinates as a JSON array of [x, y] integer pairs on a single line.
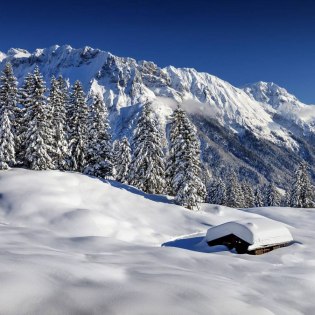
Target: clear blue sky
[[239, 41]]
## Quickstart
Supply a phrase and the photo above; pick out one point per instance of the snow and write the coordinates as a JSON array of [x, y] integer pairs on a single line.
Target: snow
[[258, 232], [283, 103], [18, 53], [2, 56], [124, 82], [71, 244]]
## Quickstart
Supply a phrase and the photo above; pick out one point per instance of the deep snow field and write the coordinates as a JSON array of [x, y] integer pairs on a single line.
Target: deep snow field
[[70, 244]]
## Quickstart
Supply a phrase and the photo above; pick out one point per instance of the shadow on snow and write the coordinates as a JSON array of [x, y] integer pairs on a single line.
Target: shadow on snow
[[156, 198], [196, 244]]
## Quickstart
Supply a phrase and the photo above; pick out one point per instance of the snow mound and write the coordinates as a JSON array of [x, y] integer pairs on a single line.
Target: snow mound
[[74, 205]]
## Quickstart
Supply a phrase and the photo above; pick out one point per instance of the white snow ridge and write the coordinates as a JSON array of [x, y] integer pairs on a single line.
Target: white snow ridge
[[71, 244]]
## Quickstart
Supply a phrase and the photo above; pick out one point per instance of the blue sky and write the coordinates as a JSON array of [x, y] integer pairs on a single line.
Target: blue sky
[[239, 41]]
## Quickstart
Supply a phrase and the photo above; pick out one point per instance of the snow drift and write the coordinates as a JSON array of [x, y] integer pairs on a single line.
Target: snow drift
[[70, 244]]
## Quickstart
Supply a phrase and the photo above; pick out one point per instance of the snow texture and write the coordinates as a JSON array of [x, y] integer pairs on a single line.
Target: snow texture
[[71, 244]]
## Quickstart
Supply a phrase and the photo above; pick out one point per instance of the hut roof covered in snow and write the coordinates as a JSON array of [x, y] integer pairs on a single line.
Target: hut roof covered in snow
[[258, 232]]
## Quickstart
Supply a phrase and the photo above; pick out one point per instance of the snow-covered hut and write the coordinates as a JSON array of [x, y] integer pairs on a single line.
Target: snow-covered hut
[[255, 236]]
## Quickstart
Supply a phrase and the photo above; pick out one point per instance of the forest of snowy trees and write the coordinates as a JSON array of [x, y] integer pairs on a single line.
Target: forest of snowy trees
[[61, 128]]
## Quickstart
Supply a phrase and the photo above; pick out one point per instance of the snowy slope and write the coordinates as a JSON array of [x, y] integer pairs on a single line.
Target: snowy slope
[[283, 103], [71, 244]]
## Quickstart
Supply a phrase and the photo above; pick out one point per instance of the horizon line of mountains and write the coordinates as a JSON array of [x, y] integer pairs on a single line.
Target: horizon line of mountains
[[260, 131]]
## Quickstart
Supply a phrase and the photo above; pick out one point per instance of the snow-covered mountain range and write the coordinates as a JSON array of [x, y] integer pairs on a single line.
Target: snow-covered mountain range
[[261, 130]]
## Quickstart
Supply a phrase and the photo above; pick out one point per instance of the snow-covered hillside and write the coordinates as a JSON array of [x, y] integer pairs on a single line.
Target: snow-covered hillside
[[260, 130], [71, 244]]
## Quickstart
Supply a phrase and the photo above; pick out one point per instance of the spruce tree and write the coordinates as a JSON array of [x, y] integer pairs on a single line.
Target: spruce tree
[[248, 193], [184, 164], [122, 158], [8, 102], [259, 200], [307, 191], [99, 154], [38, 136], [287, 198], [217, 192], [7, 152], [21, 120], [147, 169], [301, 195], [116, 152], [78, 128], [273, 197], [234, 192], [57, 102]]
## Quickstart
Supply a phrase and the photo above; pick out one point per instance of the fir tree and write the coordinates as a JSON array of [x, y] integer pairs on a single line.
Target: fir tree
[[248, 193], [21, 118], [273, 197], [78, 128], [307, 191], [57, 102], [122, 158], [295, 193], [99, 149], [147, 169], [38, 137], [217, 192], [234, 192], [259, 200], [184, 165], [301, 195], [7, 152], [116, 152], [8, 100], [287, 198]]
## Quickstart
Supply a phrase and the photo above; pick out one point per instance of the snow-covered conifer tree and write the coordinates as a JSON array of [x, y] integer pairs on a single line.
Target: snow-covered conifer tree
[[122, 158], [8, 100], [78, 128], [301, 195], [7, 152], [287, 197], [184, 164], [259, 200], [57, 104], [273, 197], [116, 151], [99, 154], [234, 192], [248, 193], [295, 193], [307, 191], [217, 192], [21, 119], [38, 136], [147, 169]]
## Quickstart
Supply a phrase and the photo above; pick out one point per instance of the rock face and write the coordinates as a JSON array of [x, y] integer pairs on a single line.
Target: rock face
[[260, 130]]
